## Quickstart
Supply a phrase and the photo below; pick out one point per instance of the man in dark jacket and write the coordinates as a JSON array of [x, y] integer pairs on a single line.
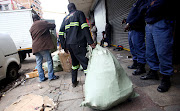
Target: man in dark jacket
[[74, 36], [136, 37], [41, 45]]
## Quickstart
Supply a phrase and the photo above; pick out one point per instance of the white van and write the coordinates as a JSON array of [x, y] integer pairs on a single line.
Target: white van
[[9, 58], [17, 24]]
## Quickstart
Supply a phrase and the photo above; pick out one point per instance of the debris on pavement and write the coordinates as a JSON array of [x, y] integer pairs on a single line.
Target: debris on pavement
[[118, 48], [129, 57], [32, 102], [18, 82], [34, 73]]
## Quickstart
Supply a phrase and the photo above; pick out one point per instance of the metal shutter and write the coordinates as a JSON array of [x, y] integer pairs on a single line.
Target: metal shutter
[[118, 10], [100, 19]]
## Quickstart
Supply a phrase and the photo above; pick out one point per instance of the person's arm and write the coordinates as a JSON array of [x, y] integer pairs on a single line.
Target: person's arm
[[50, 25], [85, 28], [61, 35], [141, 13]]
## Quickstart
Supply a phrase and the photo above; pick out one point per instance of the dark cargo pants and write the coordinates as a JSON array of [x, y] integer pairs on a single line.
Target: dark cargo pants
[[78, 55]]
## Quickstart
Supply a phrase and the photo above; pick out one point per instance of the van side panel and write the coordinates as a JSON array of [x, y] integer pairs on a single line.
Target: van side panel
[[18, 25], [2, 65]]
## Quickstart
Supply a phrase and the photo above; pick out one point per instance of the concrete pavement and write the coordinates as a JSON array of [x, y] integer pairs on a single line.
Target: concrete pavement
[[67, 98]]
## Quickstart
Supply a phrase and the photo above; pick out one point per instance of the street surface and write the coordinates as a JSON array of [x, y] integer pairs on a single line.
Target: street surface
[[67, 98]]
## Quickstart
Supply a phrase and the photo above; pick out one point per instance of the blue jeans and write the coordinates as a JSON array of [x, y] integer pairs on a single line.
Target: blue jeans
[[39, 59], [137, 45], [159, 43]]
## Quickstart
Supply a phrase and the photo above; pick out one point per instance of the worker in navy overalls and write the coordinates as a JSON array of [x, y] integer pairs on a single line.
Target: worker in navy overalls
[[136, 37], [159, 41]]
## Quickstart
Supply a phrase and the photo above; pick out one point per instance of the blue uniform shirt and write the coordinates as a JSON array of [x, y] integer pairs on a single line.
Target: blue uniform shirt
[[161, 9], [136, 17]]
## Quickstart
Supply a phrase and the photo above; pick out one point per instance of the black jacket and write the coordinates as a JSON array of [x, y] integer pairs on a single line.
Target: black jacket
[[75, 30]]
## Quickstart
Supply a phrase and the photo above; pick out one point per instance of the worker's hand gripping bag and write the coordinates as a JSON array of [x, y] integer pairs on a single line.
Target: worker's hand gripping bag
[[106, 83]]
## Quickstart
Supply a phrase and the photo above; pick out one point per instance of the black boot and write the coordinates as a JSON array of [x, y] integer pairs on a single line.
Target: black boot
[[134, 65], [165, 84], [140, 69], [152, 74], [74, 78]]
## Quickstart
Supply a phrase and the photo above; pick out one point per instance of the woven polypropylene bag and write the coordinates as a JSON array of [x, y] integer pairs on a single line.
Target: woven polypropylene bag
[[106, 84]]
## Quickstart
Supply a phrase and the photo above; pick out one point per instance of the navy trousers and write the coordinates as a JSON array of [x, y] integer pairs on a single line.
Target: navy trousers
[[159, 43], [137, 45]]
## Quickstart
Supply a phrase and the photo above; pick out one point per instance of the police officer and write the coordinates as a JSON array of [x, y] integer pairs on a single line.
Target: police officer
[[74, 36], [159, 42], [136, 37]]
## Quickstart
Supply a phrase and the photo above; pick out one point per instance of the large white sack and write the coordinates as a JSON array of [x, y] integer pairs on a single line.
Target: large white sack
[[106, 84]]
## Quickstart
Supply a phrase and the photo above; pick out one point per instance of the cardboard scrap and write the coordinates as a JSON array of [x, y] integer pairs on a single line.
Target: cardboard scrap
[[34, 73], [65, 60], [32, 102]]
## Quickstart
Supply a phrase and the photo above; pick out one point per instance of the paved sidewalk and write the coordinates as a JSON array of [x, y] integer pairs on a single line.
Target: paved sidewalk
[[67, 98]]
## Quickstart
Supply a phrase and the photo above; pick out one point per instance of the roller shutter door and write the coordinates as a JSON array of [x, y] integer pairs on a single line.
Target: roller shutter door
[[100, 18], [118, 10]]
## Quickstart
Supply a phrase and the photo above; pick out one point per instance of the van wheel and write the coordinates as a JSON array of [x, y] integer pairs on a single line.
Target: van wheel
[[12, 72]]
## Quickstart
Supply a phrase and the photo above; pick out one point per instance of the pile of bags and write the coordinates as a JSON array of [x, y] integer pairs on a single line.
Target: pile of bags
[[56, 64], [106, 84], [61, 62]]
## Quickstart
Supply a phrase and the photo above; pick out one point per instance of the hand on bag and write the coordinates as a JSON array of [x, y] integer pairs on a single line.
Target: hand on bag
[[93, 45], [66, 50]]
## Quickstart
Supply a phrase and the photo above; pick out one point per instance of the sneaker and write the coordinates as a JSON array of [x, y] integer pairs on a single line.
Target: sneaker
[[56, 77], [75, 84]]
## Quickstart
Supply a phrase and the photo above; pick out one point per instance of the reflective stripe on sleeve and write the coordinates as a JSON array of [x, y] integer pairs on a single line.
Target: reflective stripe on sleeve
[[72, 24], [84, 25], [61, 33], [75, 67]]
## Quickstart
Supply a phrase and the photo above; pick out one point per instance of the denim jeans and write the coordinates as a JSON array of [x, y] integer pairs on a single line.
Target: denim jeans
[[137, 45], [159, 47], [39, 59]]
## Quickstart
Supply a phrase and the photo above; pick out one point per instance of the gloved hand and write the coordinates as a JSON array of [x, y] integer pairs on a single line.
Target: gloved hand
[[66, 51], [93, 45]]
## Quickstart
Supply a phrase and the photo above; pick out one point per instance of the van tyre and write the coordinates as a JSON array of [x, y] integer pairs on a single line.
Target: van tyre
[[12, 72]]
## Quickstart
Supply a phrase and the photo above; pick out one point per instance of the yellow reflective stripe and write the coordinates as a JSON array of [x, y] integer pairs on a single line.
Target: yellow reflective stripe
[[85, 71], [67, 26], [84, 25], [61, 33], [74, 24], [75, 67], [71, 24]]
